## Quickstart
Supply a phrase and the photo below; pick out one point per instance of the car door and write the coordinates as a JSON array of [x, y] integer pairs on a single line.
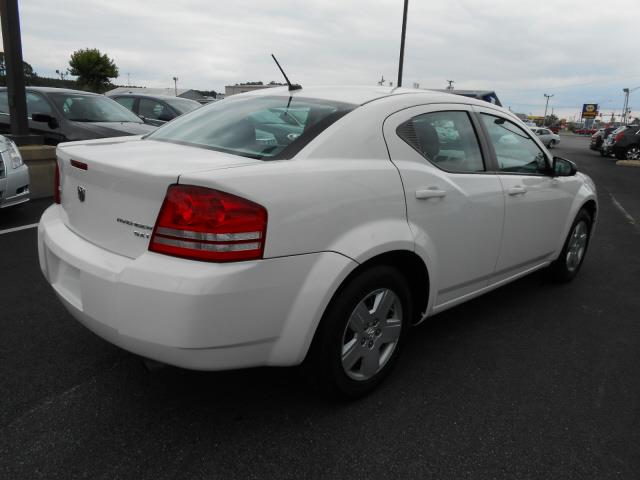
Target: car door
[[536, 203], [51, 131], [455, 204]]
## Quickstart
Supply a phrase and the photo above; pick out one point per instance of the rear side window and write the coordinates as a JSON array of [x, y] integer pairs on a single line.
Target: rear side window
[[4, 102], [446, 139], [267, 128]]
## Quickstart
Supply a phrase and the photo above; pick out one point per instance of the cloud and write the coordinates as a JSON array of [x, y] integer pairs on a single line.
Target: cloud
[[520, 49]]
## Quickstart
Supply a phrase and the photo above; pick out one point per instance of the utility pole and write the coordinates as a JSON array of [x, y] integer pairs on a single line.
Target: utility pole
[[544, 120], [175, 85], [404, 32], [16, 96], [128, 79], [381, 82], [450, 87]]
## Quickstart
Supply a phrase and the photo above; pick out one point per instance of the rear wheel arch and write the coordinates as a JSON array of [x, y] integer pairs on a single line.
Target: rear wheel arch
[[409, 264], [591, 207]]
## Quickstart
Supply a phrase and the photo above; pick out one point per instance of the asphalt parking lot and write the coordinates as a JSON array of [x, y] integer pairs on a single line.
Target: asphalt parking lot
[[534, 380]]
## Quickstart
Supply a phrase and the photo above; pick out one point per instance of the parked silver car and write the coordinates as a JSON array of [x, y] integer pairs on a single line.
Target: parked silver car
[[14, 175], [546, 136]]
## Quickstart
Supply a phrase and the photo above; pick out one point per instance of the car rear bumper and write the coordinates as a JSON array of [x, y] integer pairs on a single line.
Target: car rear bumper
[[14, 188], [197, 315]]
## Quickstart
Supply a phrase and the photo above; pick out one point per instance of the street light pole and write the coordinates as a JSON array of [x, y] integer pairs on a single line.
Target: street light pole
[[175, 85], [544, 120], [404, 31]]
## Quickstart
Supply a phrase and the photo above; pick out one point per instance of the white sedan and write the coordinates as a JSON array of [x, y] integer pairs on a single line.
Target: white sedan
[[546, 136], [233, 237]]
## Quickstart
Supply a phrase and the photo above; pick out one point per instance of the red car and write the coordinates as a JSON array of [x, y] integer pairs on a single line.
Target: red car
[[585, 131]]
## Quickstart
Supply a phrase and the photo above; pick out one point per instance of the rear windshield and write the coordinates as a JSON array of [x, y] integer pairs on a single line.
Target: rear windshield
[[266, 128]]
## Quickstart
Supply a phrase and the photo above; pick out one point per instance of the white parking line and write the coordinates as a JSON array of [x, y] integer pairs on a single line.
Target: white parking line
[[626, 214], [17, 229]]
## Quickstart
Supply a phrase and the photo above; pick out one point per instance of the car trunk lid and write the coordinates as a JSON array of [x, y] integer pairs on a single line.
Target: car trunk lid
[[112, 189]]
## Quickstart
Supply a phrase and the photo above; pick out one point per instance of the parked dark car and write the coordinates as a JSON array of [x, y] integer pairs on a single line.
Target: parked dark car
[[62, 115], [598, 138], [157, 109], [626, 143]]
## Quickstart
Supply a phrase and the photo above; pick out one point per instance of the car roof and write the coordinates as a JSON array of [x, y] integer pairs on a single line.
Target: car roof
[[56, 90], [360, 95], [146, 95]]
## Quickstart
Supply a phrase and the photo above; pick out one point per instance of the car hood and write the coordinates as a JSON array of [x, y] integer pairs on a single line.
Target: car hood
[[89, 130]]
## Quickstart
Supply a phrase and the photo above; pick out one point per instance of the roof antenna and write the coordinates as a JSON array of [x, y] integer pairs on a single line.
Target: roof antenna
[[291, 87]]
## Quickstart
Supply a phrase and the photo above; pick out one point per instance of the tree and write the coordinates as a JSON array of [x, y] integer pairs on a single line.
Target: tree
[[92, 68], [28, 69]]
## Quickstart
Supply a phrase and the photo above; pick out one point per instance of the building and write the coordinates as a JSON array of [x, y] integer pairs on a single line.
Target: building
[[181, 92]]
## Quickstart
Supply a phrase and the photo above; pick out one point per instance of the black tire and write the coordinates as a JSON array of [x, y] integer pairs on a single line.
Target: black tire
[[552, 144], [562, 269], [324, 363], [602, 154]]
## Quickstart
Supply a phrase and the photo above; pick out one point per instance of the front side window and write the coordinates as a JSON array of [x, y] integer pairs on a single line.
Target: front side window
[[126, 102], [516, 152], [92, 108], [149, 108], [267, 128], [446, 139], [37, 104]]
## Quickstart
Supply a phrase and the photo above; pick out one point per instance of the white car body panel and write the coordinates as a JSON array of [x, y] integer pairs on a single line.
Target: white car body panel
[[344, 199], [472, 208]]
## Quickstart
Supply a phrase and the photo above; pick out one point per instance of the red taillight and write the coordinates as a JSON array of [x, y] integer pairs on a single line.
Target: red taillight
[[205, 224], [618, 137], [56, 184]]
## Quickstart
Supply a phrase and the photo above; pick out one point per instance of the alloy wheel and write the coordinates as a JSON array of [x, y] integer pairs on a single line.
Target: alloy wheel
[[371, 334], [633, 153], [577, 245]]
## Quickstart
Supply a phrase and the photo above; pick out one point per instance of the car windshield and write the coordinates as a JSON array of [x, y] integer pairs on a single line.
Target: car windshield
[[183, 105], [268, 128], [92, 108]]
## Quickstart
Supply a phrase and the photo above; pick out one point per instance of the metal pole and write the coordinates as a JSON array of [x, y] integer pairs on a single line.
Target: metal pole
[[15, 71], [544, 120], [404, 32], [626, 104]]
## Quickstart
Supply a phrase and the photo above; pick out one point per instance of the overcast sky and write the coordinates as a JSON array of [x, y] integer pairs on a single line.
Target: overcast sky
[[580, 51]]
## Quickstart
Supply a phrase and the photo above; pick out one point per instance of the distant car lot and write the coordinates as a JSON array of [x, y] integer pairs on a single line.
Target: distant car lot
[[62, 115]]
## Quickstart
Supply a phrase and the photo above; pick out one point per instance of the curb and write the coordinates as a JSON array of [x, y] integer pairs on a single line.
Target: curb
[[628, 163], [41, 160]]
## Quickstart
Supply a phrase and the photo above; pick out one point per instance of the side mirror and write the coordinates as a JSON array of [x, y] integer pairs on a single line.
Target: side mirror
[[563, 167], [45, 118]]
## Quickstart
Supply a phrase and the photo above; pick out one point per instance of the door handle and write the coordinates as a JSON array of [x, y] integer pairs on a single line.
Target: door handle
[[431, 192], [517, 190]]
